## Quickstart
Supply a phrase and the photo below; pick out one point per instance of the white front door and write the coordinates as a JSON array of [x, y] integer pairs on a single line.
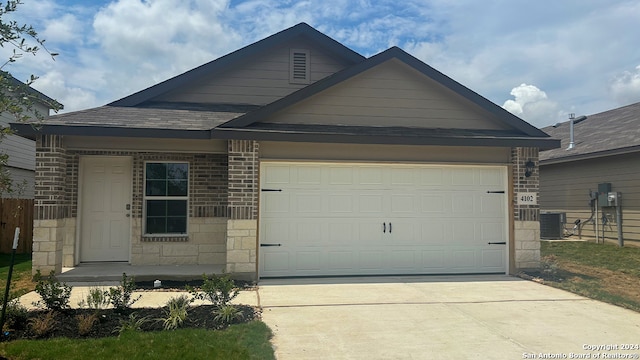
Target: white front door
[[372, 219], [105, 198]]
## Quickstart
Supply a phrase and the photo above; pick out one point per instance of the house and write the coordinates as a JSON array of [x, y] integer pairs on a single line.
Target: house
[[21, 151], [293, 156], [606, 150]]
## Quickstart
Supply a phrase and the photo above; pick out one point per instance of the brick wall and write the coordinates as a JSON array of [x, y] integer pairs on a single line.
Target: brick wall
[[243, 179], [526, 231], [51, 192]]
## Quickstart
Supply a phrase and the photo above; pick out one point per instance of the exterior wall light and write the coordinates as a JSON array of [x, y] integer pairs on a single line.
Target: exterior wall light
[[529, 167]]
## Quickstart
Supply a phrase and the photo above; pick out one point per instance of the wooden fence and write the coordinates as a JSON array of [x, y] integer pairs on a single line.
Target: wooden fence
[[16, 213]]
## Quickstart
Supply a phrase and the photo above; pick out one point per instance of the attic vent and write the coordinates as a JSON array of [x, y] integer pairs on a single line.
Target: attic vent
[[299, 66]]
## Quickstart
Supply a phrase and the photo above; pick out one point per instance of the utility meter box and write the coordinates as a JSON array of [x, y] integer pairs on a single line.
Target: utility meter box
[[613, 199], [603, 191]]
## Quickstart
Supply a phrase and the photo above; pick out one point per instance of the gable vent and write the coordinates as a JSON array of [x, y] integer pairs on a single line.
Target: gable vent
[[299, 66]]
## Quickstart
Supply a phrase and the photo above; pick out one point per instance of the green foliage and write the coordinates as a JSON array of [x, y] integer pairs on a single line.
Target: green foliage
[[121, 297], [176, 311], [219, 290], [132, 323], [55, 295], [97, 299], [43, 324], [16, 315], [17, 99], [228, 314]]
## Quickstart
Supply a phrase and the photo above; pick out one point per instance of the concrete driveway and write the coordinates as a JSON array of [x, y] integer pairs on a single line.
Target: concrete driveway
[[441, 317]]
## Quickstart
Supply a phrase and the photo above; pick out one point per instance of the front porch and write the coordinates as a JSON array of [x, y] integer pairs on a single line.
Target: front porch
[[110, 273]]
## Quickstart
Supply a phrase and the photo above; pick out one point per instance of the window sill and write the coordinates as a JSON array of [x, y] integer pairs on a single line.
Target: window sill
[[165, 238]]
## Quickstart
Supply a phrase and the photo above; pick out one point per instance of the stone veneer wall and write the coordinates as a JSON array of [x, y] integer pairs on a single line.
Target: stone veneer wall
[[526, 217], [242, 226]]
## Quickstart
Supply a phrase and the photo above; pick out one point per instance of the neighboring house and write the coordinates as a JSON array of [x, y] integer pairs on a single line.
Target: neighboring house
[[21, 162], [293, 156], [606, 150]]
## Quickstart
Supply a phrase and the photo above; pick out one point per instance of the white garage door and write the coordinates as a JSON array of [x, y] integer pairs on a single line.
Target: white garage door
[[322, 219]]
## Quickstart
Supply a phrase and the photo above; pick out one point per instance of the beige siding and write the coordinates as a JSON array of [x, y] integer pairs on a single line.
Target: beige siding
[[391, 94], [380, 153], [145, 144], [260, 80], [565, 187]]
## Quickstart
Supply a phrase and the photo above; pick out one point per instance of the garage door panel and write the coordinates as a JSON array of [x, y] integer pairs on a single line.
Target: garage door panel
[[350, 219]]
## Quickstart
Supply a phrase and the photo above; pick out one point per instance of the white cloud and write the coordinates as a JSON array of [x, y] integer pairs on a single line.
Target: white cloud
[[63, 30], [626, 87], [532, 105]]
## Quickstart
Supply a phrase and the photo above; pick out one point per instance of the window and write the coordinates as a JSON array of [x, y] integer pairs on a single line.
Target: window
[[299, 72], [165, 198]]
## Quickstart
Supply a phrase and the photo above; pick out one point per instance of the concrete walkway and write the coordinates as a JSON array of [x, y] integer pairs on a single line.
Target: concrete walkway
[[440, 317]]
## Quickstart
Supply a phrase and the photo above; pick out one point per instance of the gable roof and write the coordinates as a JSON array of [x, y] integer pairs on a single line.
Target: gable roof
[[44, 99], [222, 63], [247, 122], [611, 132]]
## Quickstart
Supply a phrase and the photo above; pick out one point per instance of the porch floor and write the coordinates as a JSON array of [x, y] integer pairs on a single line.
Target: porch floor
[[108, 273]]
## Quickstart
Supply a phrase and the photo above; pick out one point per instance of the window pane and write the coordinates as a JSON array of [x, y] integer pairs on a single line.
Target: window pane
[[156, 188], [177, 188], [177, 208], [176, 225], [178, 171], [156, 208], [156, 225], [156, 171]]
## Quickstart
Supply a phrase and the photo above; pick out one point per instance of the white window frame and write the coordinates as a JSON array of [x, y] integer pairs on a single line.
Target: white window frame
[[145, 198]]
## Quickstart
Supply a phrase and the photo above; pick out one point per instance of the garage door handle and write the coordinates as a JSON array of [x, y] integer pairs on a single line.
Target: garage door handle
[[270, 244], [498, 243], [390, 228], [384, 227], [495, 192]]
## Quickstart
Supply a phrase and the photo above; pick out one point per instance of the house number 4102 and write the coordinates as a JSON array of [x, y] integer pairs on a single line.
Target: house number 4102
[[528, 198]]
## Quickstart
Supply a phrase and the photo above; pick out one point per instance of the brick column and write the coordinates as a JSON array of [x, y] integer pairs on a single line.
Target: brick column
[[51, 204], [526, 242], [242, 225]]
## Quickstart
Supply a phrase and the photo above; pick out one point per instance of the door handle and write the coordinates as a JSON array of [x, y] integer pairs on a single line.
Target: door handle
[[390, 228], [263, 245], [127, 215], [384, 227]]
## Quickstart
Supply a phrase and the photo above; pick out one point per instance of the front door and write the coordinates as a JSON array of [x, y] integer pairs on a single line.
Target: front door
[[105, 229]]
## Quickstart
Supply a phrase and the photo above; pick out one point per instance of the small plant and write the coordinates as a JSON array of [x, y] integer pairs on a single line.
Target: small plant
[[55, 295], [120, 297], [97, 299], [133, 323], [175, 312], [219, 290], [43, 324], [86, 322], [16, 315], [227, 314]]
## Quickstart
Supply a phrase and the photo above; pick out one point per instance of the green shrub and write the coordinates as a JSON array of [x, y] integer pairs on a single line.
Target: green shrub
[[120, 297], [15, 316], [227, 314], [219, 290], [175, 312], [55, 295], [132, 323], [97, 299]]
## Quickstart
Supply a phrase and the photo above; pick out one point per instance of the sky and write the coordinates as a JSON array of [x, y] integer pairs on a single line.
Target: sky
[[540, 60]]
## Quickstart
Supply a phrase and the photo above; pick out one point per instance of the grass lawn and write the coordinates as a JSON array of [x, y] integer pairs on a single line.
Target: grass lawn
[[603, 272], [21, 281], [243, 341]]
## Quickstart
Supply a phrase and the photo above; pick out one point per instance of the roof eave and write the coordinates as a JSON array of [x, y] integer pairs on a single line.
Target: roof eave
[[591, 155], [30, 131], [247, 134]]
